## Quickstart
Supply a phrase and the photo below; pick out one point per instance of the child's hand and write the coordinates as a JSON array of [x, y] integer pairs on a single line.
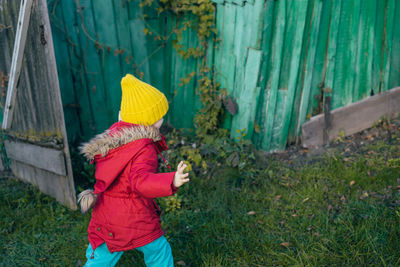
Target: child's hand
[[180, 178]]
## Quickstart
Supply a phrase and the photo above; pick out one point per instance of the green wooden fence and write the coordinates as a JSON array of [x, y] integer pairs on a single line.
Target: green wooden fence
[[279, 59]]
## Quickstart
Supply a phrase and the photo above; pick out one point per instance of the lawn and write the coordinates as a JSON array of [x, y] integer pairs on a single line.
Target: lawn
[[337, 206]]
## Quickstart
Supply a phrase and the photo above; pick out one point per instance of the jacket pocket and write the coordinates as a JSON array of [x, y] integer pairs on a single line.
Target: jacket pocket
[[102, 231]]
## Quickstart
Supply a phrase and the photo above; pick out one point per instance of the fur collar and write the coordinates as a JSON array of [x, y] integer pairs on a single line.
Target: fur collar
[[108, 140]]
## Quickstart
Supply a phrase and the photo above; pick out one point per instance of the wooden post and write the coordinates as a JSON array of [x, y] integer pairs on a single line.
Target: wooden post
[[18, 52]]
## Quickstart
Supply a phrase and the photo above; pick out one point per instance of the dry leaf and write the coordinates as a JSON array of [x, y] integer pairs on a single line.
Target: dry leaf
[[181, 263], [364, 195], [306, 199], [231, 105], [251, 212], [285, 244], [352, 183]]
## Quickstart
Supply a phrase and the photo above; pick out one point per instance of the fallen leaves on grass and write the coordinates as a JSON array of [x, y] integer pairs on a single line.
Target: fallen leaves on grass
[[251, 212], [352, 183], [181, 263]]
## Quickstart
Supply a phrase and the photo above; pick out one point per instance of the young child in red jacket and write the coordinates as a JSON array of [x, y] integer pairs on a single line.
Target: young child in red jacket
[[125, 215]]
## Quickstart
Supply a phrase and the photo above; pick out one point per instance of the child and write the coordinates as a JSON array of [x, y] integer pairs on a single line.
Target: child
[[125, 215]]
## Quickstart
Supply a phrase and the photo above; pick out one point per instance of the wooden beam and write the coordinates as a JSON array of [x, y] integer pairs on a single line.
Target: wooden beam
[[352, 118], [48, 159], [18, 52]]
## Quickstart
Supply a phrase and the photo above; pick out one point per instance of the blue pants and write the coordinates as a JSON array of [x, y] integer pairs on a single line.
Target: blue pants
[[156, 254]]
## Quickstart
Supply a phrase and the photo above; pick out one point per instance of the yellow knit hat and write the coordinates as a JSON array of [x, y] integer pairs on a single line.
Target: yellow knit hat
[[141, 103]]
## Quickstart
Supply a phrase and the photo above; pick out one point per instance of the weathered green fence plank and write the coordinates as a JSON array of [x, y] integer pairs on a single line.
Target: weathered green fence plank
[[355, 22], [156, 54], [64, 71], [91, 64], [370, 47], [263, 79], [276, 61], [378, 46], [179, 67], [287, 57], [309, 68], [124, 49], [278, 123], [72, 22], [387, 45], [140, 52], [301, 10], [227, 57], [318, 79], [394, 78], [105, 23], [331, 53], [342, 57], [292, 133], [362, 84], [243, 121], [218, 51]]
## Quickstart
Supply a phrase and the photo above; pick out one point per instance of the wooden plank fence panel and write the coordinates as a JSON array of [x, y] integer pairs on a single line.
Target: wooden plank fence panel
[[353, 49], [39, 115]]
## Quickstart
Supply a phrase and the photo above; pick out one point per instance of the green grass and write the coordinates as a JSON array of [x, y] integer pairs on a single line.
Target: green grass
[[339, 209]]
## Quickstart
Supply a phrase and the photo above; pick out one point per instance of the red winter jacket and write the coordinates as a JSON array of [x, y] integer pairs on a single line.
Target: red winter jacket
[[125, 215]]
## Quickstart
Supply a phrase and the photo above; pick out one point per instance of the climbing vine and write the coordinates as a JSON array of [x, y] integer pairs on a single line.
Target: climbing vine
[[197, 15]]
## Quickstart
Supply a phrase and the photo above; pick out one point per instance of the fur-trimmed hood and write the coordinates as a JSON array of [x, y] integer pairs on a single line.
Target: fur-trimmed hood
[[115, 137]]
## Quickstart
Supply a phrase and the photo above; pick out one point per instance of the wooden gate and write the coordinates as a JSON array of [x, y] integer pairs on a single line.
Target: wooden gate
[[33, 122]]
